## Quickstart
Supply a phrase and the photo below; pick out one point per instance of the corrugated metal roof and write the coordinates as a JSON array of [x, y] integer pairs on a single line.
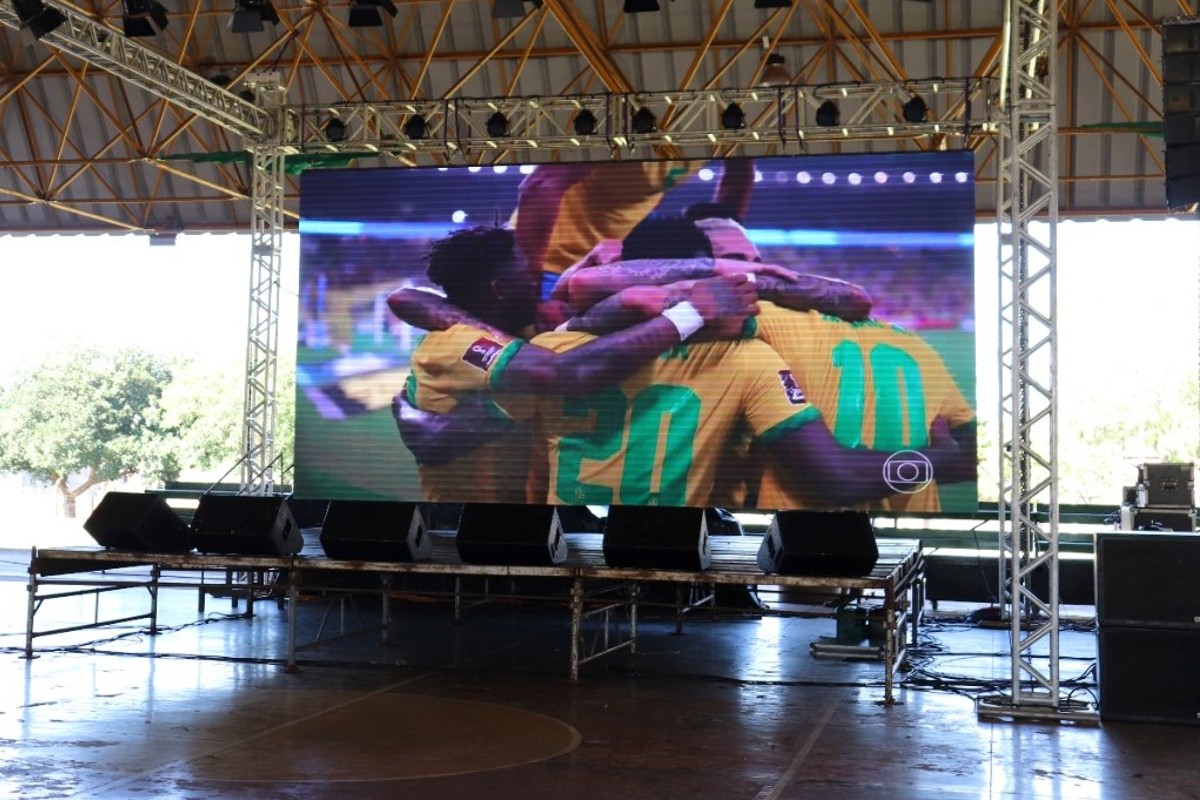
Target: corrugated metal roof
[[81, 150]]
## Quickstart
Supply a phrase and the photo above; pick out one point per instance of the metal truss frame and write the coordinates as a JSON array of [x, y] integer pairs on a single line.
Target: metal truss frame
[[1028, 505], [764, 116]]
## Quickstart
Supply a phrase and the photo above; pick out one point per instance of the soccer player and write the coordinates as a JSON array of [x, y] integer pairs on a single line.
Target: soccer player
[[493, 284], [653, 438], [565, 211], [877, 385]]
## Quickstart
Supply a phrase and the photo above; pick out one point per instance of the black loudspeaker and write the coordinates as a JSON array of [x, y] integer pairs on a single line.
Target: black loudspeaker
[[821, 543], [136, 521], [510, 535], [1181, 109], [1148, 579], [375, 531], [1149, 675], [246, 525], [656, 537]]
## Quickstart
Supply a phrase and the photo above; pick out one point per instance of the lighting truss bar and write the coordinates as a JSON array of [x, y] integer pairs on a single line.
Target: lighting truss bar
[[104, 47], [777, 114]]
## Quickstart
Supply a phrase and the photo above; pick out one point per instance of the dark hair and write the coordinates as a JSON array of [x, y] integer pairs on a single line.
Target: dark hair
[[666, 237], [466, 260], [709, 210]]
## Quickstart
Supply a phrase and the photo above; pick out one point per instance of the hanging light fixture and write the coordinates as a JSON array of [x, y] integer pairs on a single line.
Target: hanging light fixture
[[365, 13], [776, 73], [38, 18], [644, 121], [250, 16], [138, 16]]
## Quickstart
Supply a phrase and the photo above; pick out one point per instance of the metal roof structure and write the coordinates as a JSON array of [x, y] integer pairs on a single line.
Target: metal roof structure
[[85, 149]]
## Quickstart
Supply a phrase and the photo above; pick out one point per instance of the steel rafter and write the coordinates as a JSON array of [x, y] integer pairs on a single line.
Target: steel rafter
[[1028, 506]]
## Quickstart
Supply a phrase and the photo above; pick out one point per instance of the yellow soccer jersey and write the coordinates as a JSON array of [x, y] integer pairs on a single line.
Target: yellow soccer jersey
[[657, 437], [876, 385], [608, 204], [447, 364]]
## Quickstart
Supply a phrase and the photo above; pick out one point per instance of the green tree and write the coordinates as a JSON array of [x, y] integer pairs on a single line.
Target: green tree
[[207, 407], [92, 414]]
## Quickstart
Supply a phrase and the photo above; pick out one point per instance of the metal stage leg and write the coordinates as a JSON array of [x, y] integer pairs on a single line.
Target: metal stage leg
[[293, 594], [155, 574], [386, 617], [576, 625], [31, 607]]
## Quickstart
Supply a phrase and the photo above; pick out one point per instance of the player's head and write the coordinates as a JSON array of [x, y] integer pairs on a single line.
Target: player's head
[[728, 239], [483, 271], [665, 237]]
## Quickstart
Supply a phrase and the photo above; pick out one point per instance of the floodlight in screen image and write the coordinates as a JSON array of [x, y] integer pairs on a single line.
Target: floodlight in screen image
[[457, 343]]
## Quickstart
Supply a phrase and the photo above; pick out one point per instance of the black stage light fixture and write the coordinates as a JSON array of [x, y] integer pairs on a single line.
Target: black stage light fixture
[[415, 127], [37, 17], [365, 13], [585, 123], [915, 110], [639, 6], [250, 16], [136, 21], [644, 121], [828, 114], [733, 118], [497, 125], [335, 130], [502, 9], [772, 3]]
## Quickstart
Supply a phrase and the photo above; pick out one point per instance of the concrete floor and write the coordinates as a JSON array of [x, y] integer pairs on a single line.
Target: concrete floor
[[735, 707]]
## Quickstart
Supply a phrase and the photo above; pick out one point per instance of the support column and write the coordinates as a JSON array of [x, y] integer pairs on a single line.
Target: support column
[[1027, 215]]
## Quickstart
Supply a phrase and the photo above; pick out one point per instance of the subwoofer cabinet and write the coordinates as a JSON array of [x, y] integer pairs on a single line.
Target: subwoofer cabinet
[[1148, 610]]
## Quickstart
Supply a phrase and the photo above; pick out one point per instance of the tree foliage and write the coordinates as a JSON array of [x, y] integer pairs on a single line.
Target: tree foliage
[[90, 413]]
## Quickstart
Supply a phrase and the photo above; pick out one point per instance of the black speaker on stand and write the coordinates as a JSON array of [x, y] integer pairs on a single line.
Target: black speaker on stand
[[510, 535], [370, 530], [138, 521], [251, 525], [820, 543], [1148, 614], [657, 537]]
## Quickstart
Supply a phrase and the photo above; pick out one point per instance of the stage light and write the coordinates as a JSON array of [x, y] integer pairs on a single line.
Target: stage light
[[37, 17], [915, 110], [585, 123], [776, 73], [638, 6], [249, 16], [335, 130], [828, 114], [733, 118], [138, 16], [508, 8], [365, 13], [415, 127], [644, 121], [772, 3], [497, 125]]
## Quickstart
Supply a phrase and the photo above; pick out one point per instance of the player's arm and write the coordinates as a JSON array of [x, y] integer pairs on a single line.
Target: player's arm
[[817, 466], [539, 199], [735, 187], [807, 292], [435, 439], [589, 286], [722, 305], [428, 311]]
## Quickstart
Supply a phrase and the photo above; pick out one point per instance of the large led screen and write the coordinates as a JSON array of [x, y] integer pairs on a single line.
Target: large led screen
[[785, 332]]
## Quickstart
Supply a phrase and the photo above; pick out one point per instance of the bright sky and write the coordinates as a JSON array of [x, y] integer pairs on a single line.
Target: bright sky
[[118, 290]]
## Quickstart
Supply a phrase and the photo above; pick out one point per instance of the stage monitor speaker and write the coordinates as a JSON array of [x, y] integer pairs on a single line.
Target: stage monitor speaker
[[373, 530], [1148, 579], [819, 543], [1149, 675], [657, 537], [509, 534], [138, 521], [249, 525], [1181, 110]]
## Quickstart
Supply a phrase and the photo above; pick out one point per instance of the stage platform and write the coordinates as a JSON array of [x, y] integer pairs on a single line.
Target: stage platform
[[602, 601]]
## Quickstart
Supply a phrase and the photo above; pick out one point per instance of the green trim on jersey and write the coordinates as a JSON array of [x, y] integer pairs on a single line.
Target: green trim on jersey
[[794, 422], [496, 376]]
